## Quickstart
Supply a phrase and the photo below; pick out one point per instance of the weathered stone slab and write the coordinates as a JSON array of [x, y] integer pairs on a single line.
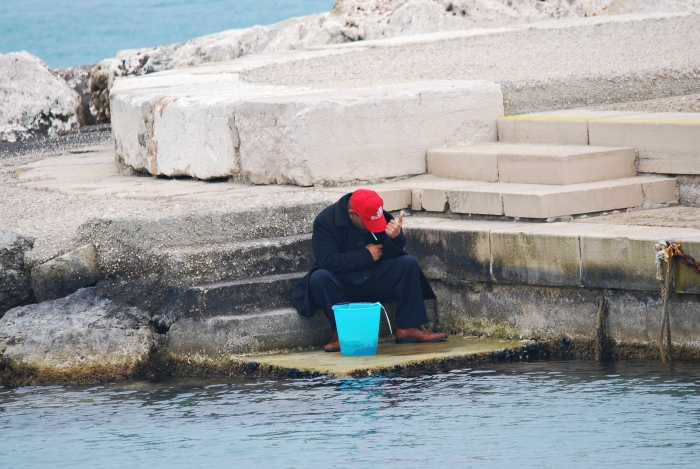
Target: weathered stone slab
[[65, 274], [660, 190], [668, 143], [554, 201], [623, 257], [483, 200], [225, 335], [567, 127], [563, 164], [477, 163], [455, 250], [359, 134], [15, 282], [80, 338]]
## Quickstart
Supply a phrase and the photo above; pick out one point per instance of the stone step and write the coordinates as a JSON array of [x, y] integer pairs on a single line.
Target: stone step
[[541, 201], [233, 298], [570, 254], [220, 336], [195, 265], [667, 143], [532, 163]]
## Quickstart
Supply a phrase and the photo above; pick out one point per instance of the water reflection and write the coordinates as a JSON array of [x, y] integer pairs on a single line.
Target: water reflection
[[575, 414]]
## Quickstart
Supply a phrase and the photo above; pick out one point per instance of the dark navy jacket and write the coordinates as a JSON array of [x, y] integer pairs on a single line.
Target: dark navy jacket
[[339, 248]]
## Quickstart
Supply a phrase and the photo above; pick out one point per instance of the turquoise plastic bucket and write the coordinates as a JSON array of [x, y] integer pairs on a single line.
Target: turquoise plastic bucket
[[358, 328]]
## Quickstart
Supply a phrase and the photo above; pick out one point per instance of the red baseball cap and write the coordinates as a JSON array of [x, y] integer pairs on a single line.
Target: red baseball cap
[[370, 207]]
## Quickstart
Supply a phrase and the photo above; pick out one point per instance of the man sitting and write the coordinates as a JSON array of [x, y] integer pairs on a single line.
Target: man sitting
[[360, 258]]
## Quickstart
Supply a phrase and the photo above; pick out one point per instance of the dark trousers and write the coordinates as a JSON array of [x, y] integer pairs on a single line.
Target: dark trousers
[[394, 279]]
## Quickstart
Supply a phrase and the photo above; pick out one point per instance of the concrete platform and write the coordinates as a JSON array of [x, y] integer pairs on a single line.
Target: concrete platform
[[390, 357], [532, 163], [667, 143]]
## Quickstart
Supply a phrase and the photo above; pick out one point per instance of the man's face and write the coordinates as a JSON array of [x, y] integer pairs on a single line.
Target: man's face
[[357, 221]]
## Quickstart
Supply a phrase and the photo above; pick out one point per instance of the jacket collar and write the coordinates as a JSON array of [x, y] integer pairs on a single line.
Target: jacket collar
[[341, 211]]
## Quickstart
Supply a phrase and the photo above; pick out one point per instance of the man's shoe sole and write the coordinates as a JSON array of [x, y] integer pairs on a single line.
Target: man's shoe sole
[[331, 350], [416, 341]]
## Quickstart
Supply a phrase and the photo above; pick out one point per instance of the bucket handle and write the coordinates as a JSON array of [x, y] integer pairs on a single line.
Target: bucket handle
[[386, 315]]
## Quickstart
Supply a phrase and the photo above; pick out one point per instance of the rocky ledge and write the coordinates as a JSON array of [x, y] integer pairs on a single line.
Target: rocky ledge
[[80, 338]]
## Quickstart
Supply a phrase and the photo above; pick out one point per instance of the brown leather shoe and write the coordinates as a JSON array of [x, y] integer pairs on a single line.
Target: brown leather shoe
[[418, 334], [333, 346]]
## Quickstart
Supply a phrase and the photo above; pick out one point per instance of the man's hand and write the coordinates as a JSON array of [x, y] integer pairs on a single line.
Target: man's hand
[[375, 250], [393, 228]]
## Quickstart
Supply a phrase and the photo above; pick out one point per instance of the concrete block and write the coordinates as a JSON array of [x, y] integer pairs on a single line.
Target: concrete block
[[623, 257], [567, 127], [478, 201], [456, 250], [563, 164], [668, 143], [395, 198], [416, 199], [65, 274], [554, 201], [660, 190], [538, 254], [541, 129], [132, 128], [360, 134], [478, 163], [434, 200]]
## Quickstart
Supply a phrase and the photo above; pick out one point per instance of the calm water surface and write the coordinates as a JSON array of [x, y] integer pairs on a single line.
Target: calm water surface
[[66, 33], [545, 414]]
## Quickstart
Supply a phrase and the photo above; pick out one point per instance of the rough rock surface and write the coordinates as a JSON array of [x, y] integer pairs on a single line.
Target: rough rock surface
[[67, 273], [15, 284], [34, 101], [78, 78], [80, 338], [354, 20]]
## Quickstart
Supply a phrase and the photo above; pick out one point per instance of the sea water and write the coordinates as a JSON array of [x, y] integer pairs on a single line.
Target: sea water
[[540, 414], [67, 33]]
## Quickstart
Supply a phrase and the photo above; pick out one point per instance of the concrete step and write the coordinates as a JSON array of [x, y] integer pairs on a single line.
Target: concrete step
[[546, 201], [194, 265], [233, 298], [221, 336], [532, 163], [668, 143]]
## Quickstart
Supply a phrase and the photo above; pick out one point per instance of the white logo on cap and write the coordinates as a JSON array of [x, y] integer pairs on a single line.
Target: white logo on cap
[[378, 215]]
